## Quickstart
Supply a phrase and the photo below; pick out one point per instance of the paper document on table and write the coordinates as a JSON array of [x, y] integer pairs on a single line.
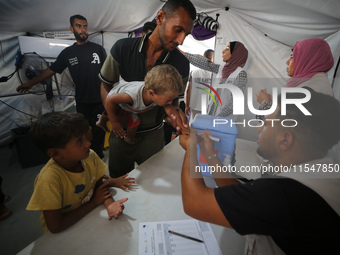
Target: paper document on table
[[177, 237]]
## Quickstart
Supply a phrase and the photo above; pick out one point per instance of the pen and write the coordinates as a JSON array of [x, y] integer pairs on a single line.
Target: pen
[[185, 236], [214, 138]]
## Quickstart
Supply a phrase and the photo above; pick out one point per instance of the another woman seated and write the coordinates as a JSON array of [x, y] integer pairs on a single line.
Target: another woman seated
[[307, 67]]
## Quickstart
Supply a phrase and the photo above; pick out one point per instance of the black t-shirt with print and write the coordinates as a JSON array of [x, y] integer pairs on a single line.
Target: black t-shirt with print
[[84, 63]]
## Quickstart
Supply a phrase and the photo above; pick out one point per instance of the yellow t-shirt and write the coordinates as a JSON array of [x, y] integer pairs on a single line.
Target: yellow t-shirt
[[56, 188]]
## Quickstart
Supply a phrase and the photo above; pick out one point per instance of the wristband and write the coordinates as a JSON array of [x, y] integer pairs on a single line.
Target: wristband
[[212, 156]]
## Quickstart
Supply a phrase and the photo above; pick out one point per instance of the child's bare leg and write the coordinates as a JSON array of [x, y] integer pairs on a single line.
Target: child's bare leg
[[102, 122], [132, 125], [131, 135]]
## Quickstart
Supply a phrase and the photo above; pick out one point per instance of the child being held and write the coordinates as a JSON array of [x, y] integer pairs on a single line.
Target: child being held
[[126, 100], [73, 181]]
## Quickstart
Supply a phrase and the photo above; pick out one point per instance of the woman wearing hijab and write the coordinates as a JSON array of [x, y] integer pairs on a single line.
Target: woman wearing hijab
[[307, 67], [235, 57]]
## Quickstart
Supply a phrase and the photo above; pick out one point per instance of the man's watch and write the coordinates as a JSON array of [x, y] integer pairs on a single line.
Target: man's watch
[[212, 156]]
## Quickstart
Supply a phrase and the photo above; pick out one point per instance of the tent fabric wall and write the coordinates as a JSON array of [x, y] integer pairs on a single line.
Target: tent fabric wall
[[302, 19], [266, 65], [20, 110], [268, 28]]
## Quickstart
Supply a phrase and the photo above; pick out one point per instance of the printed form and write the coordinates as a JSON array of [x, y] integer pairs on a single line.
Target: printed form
[[177, 237]]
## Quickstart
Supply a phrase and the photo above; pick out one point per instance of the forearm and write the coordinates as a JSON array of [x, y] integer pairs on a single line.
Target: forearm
[[188, 94], [108, 201], [104, 91], [221, 178], [111, 110], [192, 183], [57, 222], [202, 62], [198, 200], [47, 73]]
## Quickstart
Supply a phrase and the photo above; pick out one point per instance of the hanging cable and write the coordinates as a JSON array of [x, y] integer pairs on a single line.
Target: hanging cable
[[18, 109], [3, 54], [335, 72], [6, 78], [18, 58]]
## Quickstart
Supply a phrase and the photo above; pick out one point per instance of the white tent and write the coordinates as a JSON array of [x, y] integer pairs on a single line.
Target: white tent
[[268, 28]]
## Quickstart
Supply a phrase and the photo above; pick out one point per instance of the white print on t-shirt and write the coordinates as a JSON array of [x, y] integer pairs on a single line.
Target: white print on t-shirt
[[202, 80], [95, 58], [73, 61]]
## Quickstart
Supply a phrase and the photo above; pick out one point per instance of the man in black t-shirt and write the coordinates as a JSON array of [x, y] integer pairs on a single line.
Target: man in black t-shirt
[[84, 60], [295, 212]]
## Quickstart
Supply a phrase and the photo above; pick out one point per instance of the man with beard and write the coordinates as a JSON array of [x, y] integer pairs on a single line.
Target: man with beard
[[295, 209], [84, 60], [131, 59]]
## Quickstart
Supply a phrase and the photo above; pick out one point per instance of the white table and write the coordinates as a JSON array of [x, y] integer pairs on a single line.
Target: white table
[[156, 198]]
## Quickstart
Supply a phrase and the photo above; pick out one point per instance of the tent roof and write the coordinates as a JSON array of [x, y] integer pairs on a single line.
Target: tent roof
[[307, 18]]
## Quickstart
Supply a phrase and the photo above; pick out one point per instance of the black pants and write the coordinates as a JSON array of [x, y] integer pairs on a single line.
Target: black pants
[[90, 112]]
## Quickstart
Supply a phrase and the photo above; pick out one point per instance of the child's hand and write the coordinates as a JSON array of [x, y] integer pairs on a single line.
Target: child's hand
[[181, 122], [117, 129], [189, 141], [123, 182], [116, 208], [177, 119], [102, 193]]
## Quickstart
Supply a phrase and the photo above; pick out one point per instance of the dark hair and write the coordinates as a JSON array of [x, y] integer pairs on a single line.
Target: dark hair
[[56, 129], [148, 26], [209, 53], [171, 7], [319, 131], [77, 16], [232, 46]]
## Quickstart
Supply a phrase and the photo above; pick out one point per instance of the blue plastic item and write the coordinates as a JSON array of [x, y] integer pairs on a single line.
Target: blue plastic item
[[221, 129]]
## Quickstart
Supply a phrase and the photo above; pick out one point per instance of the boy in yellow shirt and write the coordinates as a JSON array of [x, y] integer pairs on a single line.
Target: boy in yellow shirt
[[73, 181]]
